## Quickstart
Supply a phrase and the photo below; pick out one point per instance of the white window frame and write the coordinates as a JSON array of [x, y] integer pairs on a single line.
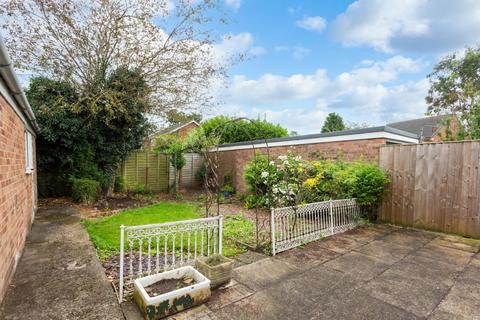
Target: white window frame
[[28, 152]]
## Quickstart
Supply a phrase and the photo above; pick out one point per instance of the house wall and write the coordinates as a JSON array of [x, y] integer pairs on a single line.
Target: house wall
[[233, 162], [184, 131], [17, 192]]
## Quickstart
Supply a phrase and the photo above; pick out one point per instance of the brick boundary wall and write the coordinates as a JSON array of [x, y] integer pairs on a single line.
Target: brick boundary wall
[[233, 162], [17, 193]]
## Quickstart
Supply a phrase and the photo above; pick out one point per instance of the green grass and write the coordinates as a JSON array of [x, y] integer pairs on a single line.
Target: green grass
[[105, 232]]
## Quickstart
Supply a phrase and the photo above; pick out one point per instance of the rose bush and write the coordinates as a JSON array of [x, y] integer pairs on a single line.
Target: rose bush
[[289, 180]]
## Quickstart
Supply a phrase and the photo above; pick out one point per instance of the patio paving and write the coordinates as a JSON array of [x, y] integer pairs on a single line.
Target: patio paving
[[59, 276], [372, 272]]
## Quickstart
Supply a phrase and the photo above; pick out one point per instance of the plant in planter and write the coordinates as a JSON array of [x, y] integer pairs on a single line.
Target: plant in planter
[[217, 268], [163, 294]]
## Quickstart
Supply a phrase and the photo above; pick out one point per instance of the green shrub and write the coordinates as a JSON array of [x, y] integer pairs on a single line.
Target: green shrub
[[260, 174], [139, 188], [369, 187], [85, 190], [119, 185], [289, 180]]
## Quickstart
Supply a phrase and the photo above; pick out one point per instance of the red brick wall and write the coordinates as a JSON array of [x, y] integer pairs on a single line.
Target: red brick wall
[[16, 193], [184, 131], [233, 162]]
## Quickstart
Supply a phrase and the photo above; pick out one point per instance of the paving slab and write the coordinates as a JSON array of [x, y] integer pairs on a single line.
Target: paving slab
[[228, 295], [338, 243], [358, 305], [406, 292], [263, 273], [358, 265], [463, 299], [389, 253], [366, 234], [306, 257], [409, 238], [59, 275], [444, 254]]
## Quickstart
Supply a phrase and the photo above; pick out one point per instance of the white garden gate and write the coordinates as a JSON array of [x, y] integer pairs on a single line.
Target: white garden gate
[[293, 226], [154, 248]]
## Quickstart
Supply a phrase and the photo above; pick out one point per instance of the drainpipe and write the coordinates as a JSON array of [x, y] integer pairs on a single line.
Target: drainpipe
[[8, 75]]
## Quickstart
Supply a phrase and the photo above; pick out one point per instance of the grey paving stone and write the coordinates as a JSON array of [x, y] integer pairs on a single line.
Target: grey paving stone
[[59, 275], [408, 293], [338, 243], [389, 253], [357, 305], [358, 265], [263, 273], [307, 257], [463, 300]]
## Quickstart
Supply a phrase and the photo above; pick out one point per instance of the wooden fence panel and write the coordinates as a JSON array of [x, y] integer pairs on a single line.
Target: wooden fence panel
[[154, 171], [145, 169], [433, 186]]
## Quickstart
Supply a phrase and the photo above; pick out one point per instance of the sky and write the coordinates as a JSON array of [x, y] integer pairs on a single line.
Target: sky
[[367, 60]]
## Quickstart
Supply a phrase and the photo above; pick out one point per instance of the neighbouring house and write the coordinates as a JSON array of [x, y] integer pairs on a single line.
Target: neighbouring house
[[429, 129], [347, 145], [18, 185], [181, 130]]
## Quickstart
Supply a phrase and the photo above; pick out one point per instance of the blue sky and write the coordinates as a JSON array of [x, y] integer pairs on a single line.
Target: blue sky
[[366, 60]]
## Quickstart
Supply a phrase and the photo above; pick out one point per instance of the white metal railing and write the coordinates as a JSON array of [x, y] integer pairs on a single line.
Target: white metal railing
[[293, 226], [155, 248]]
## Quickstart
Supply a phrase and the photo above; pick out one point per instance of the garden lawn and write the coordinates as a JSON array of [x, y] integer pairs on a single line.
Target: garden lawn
[[105, 232]]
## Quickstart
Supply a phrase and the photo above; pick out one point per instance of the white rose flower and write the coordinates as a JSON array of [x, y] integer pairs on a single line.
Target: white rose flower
[[264, 174], [272, 163]]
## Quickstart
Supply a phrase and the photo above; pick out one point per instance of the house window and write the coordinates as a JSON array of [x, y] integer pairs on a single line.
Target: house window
[[28, 152]]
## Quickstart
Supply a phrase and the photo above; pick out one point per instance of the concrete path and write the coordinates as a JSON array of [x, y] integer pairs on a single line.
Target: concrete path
[[374, 272], [59, 275]]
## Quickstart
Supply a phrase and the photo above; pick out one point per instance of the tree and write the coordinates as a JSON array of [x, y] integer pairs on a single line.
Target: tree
[[231, 130], [88, 135], [455, 89], [172, 145], [175, 117], [334, 122], [83, 42]]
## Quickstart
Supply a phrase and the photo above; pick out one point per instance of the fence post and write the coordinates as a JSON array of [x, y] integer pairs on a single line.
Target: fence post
[[122, 239], [220, 234], [272, 226], [331, 217]]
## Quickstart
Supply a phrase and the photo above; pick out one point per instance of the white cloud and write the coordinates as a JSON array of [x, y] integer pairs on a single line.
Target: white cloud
[[236, 44], [315, 23], [300, 52], [234, 4], [369, 93], [409, 25]]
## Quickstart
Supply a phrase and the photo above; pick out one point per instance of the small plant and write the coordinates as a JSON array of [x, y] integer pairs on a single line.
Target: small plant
[[119, 185], [85, 190], [228, 190]]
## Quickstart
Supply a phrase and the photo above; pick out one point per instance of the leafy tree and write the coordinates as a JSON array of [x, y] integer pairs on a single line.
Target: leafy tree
[[87, 136], [83, 42], [172, 145], [356, 125], [116, 119], [334, 122], [455, 89], [178, 117], [231, 130]]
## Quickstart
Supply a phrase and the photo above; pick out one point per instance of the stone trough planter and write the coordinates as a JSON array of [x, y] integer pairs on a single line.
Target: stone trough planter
[[216, 268], [166, 304]]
